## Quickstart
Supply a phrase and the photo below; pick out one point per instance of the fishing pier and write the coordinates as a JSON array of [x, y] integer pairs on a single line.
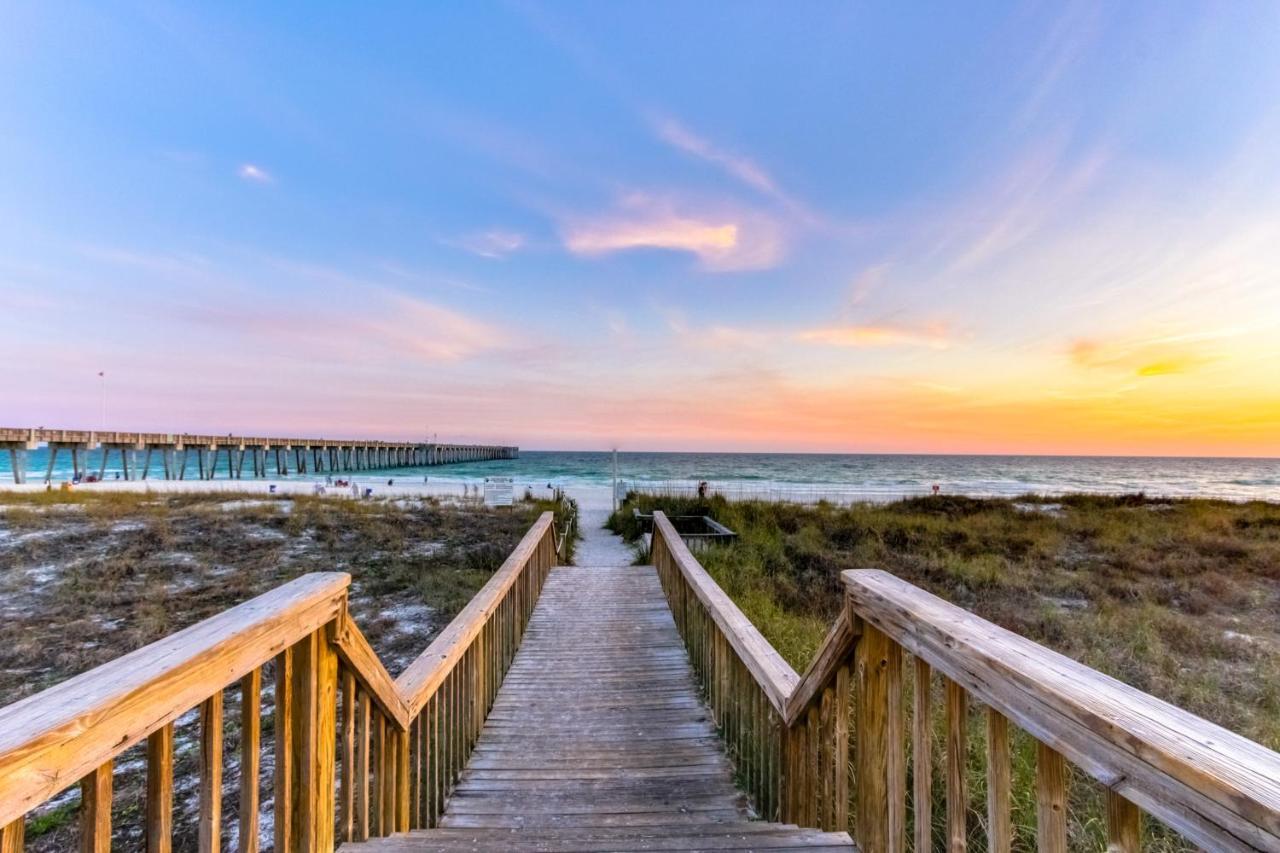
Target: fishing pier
[[176, 453]]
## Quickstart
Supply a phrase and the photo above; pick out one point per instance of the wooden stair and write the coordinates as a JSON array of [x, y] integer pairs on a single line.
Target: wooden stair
[[599, 740], [748, 835]]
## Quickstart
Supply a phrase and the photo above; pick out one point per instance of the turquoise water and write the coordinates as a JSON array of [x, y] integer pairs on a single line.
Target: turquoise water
[[838, 474]]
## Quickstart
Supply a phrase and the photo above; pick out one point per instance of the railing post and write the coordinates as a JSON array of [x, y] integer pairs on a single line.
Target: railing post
[[402, 780], [872, 743], [313, 700]]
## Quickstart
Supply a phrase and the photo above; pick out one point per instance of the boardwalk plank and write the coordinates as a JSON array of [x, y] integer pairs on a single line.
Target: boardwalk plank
[[599, 739]]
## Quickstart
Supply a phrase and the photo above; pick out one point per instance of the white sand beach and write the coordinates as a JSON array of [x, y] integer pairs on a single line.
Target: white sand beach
[[597, 498]]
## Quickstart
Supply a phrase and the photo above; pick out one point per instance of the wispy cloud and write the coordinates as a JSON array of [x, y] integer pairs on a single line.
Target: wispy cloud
[[745, 170], [722, 240], [389, 328], [740, 167], [255, 174], [494, 243], [866, 282], [1162, 356], [932, 337]]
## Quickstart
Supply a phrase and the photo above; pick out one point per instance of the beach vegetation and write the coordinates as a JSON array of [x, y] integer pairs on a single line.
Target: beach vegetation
[[86, 577], [1178, 598]]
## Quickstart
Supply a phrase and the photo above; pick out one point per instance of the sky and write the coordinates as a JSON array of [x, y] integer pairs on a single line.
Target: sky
[[849, 227]]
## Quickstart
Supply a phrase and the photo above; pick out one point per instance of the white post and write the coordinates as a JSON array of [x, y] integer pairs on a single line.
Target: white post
[[615, 479]]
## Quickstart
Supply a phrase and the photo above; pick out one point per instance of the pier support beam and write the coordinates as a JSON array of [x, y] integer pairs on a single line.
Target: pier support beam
[[128, 464], [167, 461], [78, 463], [18, 459]]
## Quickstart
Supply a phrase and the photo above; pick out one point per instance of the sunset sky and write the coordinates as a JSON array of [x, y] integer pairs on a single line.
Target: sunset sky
[[927, 227]]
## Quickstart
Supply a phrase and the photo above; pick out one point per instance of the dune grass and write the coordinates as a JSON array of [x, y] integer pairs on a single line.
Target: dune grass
[[86, 577], [1180, 599]]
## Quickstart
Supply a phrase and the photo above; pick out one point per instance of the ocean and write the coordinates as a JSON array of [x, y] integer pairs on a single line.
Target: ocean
[[807, 475]]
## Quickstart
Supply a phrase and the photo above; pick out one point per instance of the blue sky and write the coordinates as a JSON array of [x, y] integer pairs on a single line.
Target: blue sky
[[973, 227]]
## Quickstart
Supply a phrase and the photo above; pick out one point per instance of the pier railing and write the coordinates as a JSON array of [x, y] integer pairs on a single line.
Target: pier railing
[[354, 752], [838, 748]]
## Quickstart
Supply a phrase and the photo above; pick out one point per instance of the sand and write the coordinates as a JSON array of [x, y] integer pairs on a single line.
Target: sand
[[588, 497]]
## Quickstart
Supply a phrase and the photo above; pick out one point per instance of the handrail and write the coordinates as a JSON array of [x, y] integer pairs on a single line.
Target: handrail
[[403, 742], [1217, 788], [354, 651], [772, 672], [424, 675], [834, 652], [55, 737]]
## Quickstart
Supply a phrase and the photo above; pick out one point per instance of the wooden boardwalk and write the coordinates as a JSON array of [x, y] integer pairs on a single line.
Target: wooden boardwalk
[[562, 710], [598, 739]]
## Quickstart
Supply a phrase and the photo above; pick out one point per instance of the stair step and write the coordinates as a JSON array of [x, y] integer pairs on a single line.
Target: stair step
[[741, 835]]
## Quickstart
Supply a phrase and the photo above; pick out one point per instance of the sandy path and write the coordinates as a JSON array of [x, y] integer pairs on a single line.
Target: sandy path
[[598, 546]]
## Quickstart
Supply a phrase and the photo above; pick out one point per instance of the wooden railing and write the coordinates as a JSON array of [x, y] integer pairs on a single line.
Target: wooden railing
[[450, 688], [356, 754], [830, 749]]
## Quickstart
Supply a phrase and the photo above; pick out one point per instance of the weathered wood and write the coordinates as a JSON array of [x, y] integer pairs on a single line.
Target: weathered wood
[[417, 795], [388, 776], [842, 749], [571, 743], [210, 819], [402, 781], [834, 653], [1124, 825], [871, 740], [12, 836], [812, 786], [1051, 800], [364, 728], [325, 757], [957, 759], [347, 793], [95, 810], [356, 653], [284, 726], [314, 738], [250, 759], [76, 726], [304, 743], [1217, 789], [378, 752], [159, 827], [826, 754], [922, 756], [421, 678], [895, 748], [774, 675], [999, 784]]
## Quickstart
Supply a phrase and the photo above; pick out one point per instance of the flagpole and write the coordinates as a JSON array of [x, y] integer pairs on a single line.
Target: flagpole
[[102, 374]]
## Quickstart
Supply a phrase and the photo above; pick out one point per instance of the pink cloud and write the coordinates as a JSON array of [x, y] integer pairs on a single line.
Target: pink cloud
[[721, 240], [933, 337]]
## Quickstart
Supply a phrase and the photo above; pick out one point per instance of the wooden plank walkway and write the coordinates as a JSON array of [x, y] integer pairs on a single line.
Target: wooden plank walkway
[[599, 740]]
